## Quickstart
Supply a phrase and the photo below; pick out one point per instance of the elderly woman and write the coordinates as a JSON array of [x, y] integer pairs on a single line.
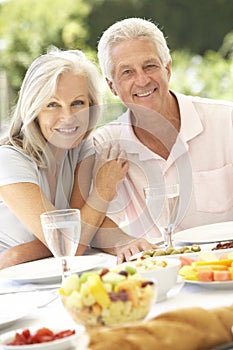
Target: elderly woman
[[47, 159]]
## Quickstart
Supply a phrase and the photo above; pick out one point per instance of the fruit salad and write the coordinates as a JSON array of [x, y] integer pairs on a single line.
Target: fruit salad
[[106, 298], [208, 268]]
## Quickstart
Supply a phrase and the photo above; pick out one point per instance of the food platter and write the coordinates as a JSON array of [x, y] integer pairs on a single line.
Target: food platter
[[212, 285], [79, 340]]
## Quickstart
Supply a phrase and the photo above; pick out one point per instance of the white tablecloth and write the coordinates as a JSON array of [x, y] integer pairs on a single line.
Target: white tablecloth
[[54, 315]]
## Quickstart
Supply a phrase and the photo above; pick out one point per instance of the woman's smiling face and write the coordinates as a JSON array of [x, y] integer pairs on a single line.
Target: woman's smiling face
[[64, 119]]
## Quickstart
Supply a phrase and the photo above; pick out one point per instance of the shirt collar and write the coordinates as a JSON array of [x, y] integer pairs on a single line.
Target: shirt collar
[[191, 125]]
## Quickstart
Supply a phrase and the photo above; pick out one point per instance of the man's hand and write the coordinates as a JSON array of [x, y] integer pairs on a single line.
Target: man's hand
[[135, 246]]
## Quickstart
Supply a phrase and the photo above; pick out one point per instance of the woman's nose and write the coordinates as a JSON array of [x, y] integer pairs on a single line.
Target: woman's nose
[[66, 115]]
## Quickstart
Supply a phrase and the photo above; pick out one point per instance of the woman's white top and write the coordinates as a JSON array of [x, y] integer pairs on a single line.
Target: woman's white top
[[16, 167]]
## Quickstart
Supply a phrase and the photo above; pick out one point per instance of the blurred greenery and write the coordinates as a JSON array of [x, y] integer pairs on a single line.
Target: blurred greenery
[[199, 34]]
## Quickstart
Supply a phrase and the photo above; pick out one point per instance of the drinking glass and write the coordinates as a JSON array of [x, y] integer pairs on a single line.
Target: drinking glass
[[162, 202], [62, 229]]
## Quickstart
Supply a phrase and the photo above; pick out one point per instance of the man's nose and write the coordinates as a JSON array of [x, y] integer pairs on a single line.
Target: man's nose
[[142, 78]]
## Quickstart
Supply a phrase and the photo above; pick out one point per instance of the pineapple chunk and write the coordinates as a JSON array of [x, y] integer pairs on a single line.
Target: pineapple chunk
[[71, 284], [98, 291]]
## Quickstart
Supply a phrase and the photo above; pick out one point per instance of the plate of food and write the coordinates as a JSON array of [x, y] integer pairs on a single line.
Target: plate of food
[[209, 269], [44, 338], [219, 232], [212, 284], [49, 270]]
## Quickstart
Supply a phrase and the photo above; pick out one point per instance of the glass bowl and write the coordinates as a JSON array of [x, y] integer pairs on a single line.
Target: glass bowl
[[107, 298]]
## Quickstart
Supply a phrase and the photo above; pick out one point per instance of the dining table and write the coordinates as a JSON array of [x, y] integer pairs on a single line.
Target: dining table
[[28, 304]]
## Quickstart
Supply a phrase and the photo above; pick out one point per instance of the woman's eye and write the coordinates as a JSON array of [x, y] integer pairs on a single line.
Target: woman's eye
[[77, 103], [52, 104]]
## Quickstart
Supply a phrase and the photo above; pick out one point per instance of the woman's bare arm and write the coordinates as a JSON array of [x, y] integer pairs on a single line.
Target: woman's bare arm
[[110, 168], [27, 202], [22, 253]]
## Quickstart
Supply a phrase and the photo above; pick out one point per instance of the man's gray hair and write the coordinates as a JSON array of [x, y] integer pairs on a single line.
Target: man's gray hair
[[126, 29]]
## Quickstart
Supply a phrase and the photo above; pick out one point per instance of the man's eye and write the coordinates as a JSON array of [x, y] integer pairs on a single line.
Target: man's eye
[[126, 72], [151, 66], [52, 104]]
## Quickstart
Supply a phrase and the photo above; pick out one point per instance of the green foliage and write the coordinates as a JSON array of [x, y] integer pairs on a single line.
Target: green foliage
[[29, 27], [188, 25], [202, 60], [208, 76]]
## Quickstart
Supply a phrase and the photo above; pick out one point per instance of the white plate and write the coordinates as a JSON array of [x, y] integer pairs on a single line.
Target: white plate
[[7, 318], [213, 285], [49, 270], [205, 249], [219, 232], [79, 340]]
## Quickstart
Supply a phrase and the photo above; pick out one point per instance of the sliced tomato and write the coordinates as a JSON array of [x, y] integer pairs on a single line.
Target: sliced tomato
[[64, 334], [19, 339], [42, 335]]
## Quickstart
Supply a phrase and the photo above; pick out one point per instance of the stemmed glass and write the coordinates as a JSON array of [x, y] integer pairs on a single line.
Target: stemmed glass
[[62, 229], [162, 202]]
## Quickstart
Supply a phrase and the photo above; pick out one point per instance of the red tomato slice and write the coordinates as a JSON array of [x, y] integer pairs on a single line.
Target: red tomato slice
[[18, 340], [64, 334], [42, 335]]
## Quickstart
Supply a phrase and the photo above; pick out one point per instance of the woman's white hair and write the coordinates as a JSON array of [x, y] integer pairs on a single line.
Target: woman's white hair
[[38, 86], [126, 29]]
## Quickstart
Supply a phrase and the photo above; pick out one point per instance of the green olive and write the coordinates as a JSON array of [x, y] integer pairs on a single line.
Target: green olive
[[169, 250], [174, 251], [159, 253], [195, 248], [182, 249], [148, 252]]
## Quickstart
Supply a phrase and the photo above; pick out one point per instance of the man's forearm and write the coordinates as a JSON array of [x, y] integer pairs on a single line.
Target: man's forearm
[[110, 237]]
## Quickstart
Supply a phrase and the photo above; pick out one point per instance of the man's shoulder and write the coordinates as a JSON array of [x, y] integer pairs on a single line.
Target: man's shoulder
[[210, 101]]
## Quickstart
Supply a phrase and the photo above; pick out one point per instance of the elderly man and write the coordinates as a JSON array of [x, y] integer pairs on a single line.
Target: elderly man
[[168, 137]]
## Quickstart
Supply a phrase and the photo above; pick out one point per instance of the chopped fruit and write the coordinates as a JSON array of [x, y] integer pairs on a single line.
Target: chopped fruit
[[207, 270], [108, 297], [205, 275], [186, 260], [189, 273], [71, 283], [113, 278], [207, 256], [98, 291], [221, 276]]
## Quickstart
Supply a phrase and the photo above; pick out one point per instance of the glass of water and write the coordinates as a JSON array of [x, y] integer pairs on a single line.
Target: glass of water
[[62, 229], [162, 202]]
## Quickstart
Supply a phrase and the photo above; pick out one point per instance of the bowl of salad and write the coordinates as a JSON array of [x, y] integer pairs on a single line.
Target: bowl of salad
[[107, 298]]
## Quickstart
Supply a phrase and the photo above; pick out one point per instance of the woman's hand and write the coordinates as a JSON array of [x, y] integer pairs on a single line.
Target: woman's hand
[[111, 166]]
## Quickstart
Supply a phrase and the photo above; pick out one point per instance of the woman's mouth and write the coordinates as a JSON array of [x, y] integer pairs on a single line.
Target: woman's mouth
[[67, 131]]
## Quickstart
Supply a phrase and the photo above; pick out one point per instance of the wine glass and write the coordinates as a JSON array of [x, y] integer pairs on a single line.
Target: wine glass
[[62, 229], [162, 202]]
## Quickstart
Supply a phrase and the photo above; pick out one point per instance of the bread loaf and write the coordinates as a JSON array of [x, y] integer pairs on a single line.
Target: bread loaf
[[183, 329]]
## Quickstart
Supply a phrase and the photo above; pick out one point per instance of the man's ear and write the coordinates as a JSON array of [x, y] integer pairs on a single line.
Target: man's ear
[[110, 85]]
